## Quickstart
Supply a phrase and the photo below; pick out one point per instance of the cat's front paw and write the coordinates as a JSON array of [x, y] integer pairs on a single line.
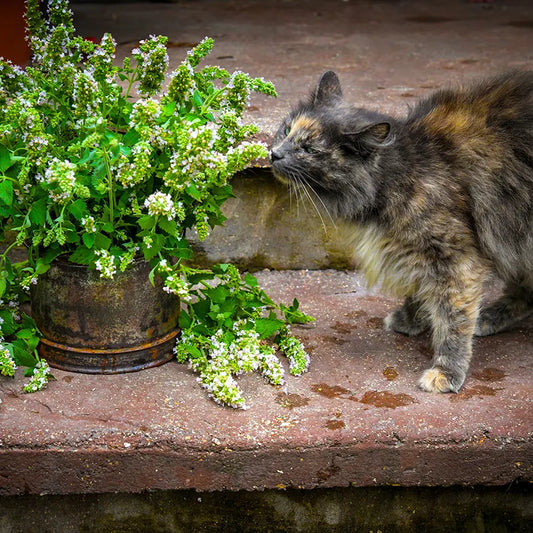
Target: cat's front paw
[[436, 380]]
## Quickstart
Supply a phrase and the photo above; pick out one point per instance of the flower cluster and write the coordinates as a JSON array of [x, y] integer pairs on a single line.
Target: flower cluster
[[79, 158], [160, 203], [39, 378], [173, 281], [229, 354], [106, 264], [7, 362], [152, 63], [295, 352]]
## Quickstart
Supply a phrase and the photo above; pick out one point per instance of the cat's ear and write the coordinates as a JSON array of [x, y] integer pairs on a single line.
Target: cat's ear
[[328, 87], [374, 135]]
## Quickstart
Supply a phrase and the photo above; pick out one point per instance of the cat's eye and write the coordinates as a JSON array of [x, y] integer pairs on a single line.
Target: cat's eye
[[287, 130], [310, 149]]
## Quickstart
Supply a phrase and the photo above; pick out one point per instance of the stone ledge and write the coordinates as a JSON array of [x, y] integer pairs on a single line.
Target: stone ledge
[[269, 227], [356, 419]]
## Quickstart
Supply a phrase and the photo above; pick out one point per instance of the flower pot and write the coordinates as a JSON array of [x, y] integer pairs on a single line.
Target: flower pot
[[103, 326]]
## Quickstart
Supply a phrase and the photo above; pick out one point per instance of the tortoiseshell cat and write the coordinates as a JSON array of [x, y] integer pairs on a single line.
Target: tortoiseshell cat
[[437, 203]]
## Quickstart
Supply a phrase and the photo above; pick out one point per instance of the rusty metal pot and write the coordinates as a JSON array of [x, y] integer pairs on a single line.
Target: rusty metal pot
[[101, 326]]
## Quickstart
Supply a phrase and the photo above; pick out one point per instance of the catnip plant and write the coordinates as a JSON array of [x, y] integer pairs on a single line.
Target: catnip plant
[[104, 163]]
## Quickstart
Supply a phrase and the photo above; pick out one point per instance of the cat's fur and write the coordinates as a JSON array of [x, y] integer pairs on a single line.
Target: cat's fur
[[437, 203]]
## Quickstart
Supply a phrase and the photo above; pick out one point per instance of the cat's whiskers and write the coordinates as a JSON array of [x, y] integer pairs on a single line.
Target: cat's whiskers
[[300, 180], [305, 180], [295, 186]]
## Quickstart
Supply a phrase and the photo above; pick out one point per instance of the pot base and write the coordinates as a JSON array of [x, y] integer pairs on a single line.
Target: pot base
[[108, 361]]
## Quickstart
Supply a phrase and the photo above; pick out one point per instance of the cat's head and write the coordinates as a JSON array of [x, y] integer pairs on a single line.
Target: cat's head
[[328, 145]]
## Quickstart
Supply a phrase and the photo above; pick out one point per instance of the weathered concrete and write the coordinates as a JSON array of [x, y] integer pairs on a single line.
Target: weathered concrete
[[267, 227], [390, 509], [356, 419]]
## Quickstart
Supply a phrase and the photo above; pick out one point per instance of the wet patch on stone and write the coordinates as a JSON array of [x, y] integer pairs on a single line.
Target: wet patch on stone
[[356, 314], [342, 328], [390, 373], [489, 374], [291, 400], [386, 399], [333, 339], [331, 391], [472, 392], [335, 424], [375, 322]]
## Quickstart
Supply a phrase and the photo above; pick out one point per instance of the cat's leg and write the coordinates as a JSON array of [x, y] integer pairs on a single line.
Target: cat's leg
[[407, 319], [453, 309], [515, 304]]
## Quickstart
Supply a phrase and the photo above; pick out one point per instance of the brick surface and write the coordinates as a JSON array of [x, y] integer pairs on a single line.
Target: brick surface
[[355, 419]]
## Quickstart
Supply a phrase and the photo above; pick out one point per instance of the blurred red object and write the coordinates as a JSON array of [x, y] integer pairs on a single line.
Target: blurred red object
[[13, 45]]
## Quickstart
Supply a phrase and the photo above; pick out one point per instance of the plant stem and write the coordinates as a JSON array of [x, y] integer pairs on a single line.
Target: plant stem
[[110, 188]]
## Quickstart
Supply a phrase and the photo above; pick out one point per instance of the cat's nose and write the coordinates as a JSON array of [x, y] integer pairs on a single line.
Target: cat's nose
[[275, 155]]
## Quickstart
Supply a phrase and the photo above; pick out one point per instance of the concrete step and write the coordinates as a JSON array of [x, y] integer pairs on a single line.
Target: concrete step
[[355, 419]]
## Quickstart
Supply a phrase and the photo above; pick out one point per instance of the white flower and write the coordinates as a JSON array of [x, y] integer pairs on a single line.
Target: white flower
[[106, 264], [159, 203]]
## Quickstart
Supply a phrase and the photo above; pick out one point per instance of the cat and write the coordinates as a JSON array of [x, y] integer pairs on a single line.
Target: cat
[[437, 203]]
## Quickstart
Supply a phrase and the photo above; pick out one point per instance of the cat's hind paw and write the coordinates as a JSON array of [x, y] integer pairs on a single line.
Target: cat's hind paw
[[435, 380], [398, 322]]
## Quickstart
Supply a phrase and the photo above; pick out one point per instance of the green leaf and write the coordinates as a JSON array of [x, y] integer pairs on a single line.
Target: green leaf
[[78, 209], [293, 315], [6, 192], [266, 327], [250, 280], [151, 276], [169, 226], [218, 294], [3, 286], [193, 351], [146, 222], [185, 320], [88, 239], [37, 212], [82, 256], [157, 245], [41, 266], [201, 309], [5, 158], [22, 354], [101, 242], [108, 227], [8, 326], [131, 137], [183, 250], [197, 99], [194, 192], [51, 253], [25, 334]]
